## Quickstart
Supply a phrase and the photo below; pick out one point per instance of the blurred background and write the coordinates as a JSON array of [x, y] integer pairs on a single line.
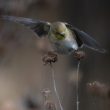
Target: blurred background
[[22, 73]]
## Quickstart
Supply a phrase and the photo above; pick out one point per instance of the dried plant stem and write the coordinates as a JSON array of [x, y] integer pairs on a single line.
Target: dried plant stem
[[77, 87], [55, 88]]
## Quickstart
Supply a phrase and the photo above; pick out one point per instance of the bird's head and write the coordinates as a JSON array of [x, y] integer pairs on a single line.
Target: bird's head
[[59, 30]]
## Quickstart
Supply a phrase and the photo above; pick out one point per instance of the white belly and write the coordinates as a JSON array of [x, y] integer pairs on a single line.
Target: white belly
[[65, 46]]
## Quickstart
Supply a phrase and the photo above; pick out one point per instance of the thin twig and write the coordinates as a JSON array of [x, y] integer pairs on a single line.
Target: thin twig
[[77, 86], [55, 88]]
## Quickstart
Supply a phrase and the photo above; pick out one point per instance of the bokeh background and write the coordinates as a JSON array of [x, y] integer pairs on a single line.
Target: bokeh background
[[22, 73]]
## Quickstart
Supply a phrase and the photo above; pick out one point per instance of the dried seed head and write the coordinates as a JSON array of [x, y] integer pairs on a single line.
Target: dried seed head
[[48, 103], [49, 58], [46, 92], [98, 89], [79, 55]]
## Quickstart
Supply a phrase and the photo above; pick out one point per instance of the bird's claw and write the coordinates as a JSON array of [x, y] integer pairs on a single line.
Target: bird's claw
[[49, 58]]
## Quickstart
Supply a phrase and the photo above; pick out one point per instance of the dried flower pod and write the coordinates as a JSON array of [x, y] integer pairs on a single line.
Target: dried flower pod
[[49, 58], [79, 55], [48, 103], [46, 93], [98, 89]]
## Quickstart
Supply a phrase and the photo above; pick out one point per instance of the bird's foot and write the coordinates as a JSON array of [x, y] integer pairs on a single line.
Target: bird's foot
[[79, 55], [49, 58]]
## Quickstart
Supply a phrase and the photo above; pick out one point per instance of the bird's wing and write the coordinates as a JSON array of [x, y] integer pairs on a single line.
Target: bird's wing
[[41, 28], [86, 39]]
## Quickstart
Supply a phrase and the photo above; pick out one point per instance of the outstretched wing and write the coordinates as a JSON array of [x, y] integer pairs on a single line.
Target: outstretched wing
[[41, 28], [86, 39]]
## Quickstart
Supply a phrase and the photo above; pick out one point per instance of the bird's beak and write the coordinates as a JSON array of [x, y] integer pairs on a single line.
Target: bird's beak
[[62, 33]]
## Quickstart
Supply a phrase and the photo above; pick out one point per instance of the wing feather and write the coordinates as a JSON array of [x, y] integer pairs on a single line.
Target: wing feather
[[41, 28], [87, 40]]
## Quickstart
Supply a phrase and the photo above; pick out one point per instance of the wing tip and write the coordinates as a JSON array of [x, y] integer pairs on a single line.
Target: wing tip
[[102, 51], [5, 17]]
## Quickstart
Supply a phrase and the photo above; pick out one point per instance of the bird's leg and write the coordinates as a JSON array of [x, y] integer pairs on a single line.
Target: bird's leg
[[78, 54], [50, 57]]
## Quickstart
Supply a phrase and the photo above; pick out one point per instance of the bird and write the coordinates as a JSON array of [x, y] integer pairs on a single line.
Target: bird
[[64, 37]]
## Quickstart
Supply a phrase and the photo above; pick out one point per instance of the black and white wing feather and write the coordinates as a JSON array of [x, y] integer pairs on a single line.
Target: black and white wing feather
[[86, 40], [41, 28]]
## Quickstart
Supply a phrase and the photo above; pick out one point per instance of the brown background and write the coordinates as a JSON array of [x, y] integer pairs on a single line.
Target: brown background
[[22, 73]]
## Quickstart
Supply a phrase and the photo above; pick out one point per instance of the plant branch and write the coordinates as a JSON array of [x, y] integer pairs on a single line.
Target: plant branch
[[55, 88], [77, 86]]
